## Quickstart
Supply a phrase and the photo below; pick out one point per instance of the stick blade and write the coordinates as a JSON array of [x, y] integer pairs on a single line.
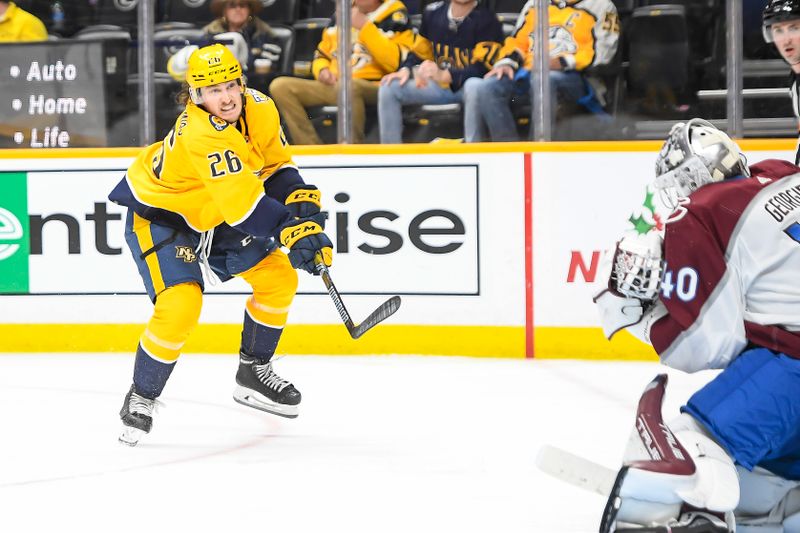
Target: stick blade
[[384, 311], [576, 470]]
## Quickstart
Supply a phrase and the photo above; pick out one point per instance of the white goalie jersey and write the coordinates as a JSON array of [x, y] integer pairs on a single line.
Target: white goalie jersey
[[722, 287], [795, 93]]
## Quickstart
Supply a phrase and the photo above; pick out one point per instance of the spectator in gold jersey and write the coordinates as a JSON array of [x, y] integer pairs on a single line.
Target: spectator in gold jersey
[[17, 25], [381, 36]]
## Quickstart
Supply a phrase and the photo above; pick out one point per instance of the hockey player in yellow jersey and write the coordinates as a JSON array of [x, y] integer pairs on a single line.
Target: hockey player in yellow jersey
[[582, 33], [381, 36], [219, 194]]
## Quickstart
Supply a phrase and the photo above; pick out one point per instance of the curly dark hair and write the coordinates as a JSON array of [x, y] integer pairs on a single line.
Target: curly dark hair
[[218, 6]]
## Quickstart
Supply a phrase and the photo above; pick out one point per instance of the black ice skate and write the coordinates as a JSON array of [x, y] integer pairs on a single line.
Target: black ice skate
[[258, 386], [137, 417]]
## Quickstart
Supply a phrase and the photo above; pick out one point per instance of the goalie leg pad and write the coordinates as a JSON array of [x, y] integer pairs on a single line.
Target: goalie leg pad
[[691, 522], [769, 503], [762, 491], [664, 470], [654, 495], [716, 482], [791, 524], [661, 516]]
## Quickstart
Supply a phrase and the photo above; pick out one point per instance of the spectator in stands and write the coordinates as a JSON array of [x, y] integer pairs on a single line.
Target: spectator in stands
[[582, 33], [458, 40], [264, 51], [382, 34], [781, 25], [18, 25]]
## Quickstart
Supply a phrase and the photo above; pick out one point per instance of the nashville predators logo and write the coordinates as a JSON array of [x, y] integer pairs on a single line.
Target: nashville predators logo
[[445, 62], [361, 56], [186, 253], [218, 123], [399, 17]]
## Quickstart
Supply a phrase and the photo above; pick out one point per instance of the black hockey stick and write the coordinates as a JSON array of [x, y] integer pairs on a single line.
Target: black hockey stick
[[384, 311]]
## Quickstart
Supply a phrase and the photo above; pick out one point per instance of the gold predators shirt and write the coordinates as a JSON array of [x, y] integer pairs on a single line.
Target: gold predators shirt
[[582, 33], [378, 47], [207, 171], [17, 25]]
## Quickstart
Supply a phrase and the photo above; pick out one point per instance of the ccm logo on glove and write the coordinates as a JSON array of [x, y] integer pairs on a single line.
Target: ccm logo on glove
[[303, 200], [305, 239], [305, 195], [292, 234]]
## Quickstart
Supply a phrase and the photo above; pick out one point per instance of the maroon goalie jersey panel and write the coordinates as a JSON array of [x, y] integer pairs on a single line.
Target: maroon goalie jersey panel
[[732, 273]]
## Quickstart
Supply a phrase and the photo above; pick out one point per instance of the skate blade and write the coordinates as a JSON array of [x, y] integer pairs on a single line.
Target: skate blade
[[130, 436], [257, 401]]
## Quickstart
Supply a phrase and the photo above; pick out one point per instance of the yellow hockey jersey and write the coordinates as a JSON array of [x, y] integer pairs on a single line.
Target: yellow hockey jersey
[[582, 32], [207, 171], [378, 47]]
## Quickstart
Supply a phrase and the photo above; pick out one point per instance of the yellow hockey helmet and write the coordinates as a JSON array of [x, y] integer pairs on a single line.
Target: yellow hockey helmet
[[211, 65]]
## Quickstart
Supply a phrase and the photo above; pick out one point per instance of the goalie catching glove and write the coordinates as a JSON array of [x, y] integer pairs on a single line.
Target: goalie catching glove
[[304, 238], [631, 281]]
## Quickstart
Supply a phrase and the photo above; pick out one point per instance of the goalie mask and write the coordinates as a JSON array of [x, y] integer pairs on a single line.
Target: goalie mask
[[778, 11], [211, 65], [638, 266], [695, 154]]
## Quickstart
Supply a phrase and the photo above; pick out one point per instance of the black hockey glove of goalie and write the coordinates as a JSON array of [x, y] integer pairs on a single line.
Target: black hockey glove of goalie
[[304, 238], [304, 201]]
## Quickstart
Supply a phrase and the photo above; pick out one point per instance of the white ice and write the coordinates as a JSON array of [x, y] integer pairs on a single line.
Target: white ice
[[382, 444]]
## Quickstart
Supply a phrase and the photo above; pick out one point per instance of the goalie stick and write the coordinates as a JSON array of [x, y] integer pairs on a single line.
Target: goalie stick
[[576, 470], [384, 311]]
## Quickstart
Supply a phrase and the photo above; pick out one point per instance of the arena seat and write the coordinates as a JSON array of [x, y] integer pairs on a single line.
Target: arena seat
[[308, 33], [283, 11]]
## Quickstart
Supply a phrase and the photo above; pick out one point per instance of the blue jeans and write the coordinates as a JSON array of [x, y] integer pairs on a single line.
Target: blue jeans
[[486, 102], [392, 98]]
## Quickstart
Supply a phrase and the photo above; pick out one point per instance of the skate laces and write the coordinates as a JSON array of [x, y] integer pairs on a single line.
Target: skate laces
[[143, 406], [269, 378]]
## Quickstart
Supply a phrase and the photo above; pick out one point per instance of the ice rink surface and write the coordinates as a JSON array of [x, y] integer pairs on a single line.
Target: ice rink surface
[[382, 444]]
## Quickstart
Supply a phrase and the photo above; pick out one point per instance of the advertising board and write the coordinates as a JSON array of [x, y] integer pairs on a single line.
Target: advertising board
[[494, 253]]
